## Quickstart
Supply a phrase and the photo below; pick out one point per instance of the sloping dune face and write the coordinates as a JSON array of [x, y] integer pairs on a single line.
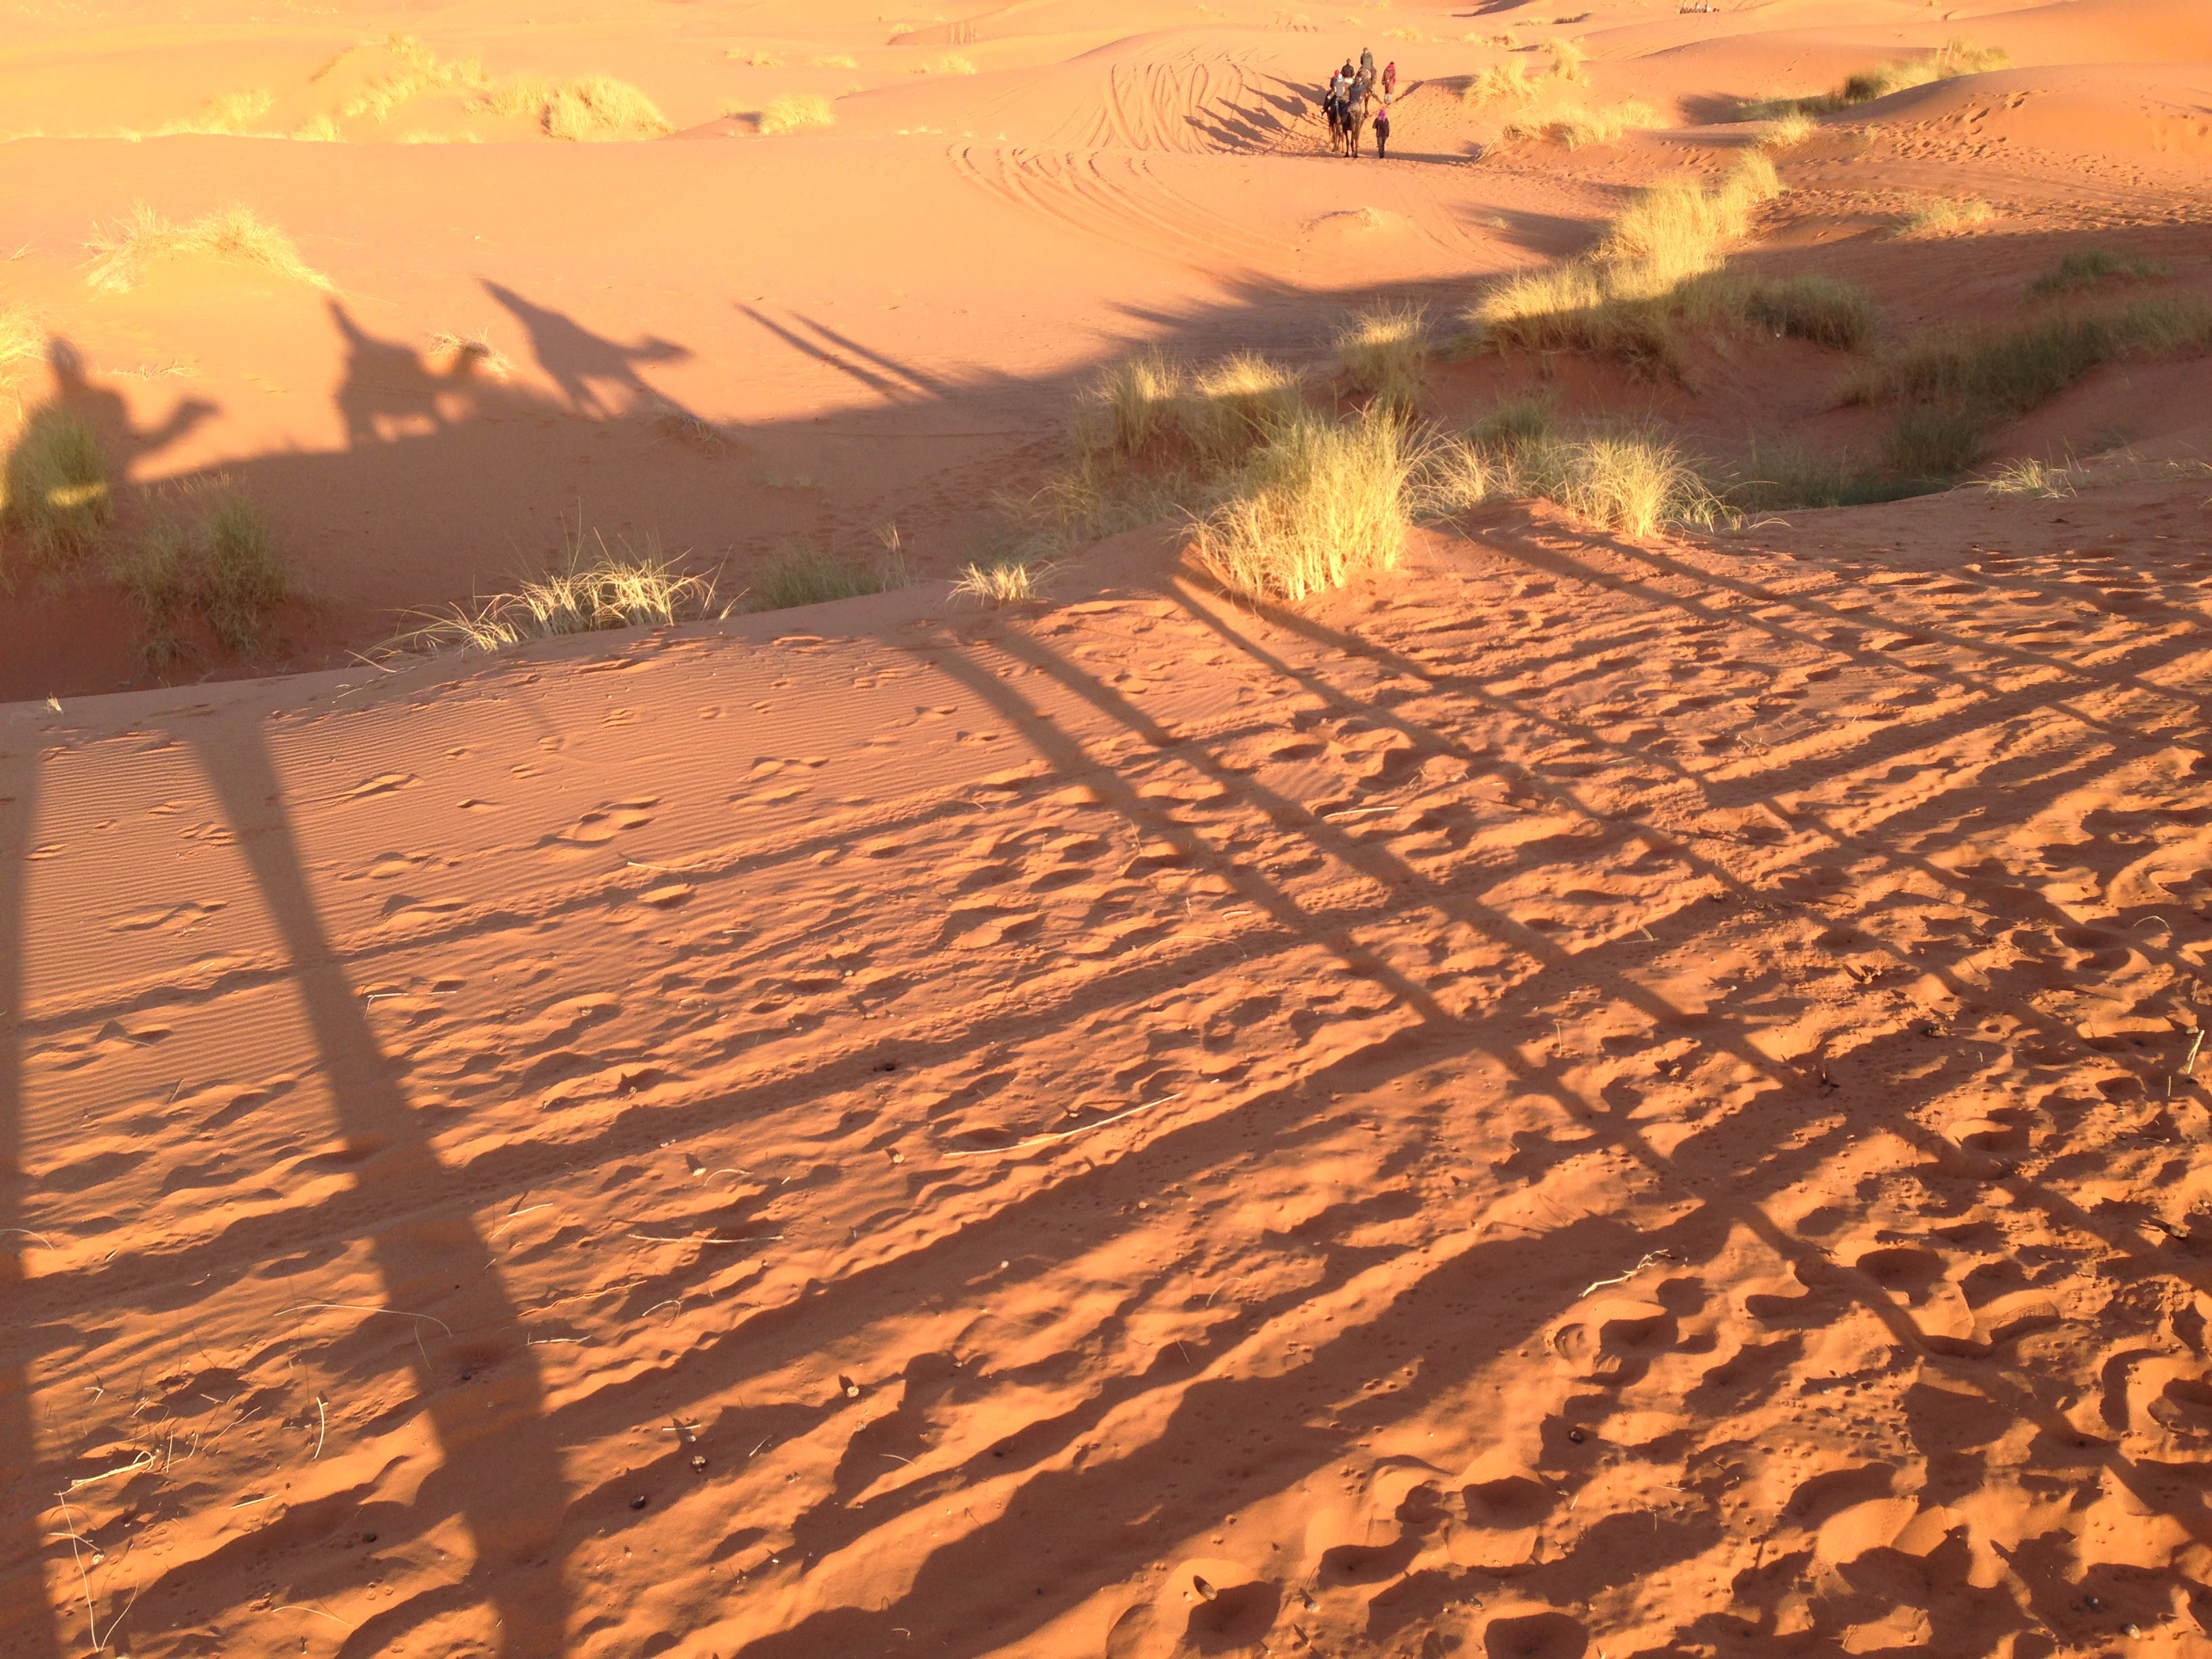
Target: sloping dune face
[[897, 1069]]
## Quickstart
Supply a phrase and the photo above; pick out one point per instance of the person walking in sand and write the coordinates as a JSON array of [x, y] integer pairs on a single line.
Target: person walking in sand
[[1390, 78], [1382, 130]]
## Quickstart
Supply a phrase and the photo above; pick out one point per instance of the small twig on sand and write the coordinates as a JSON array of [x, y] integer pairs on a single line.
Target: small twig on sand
[[1654, 1257], [322, 1425], [301, 1606], [1062, 1134]]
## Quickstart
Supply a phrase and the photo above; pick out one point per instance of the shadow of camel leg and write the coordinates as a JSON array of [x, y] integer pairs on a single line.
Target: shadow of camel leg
[[500, 1469], [27, 1619]]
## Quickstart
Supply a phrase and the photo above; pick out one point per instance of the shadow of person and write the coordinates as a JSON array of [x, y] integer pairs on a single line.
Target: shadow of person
[[108, 414], [499, 1470], [389, 391], [581, 362]]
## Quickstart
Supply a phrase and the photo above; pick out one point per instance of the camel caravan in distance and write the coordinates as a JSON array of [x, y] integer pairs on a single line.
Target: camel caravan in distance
[[1351, 95]]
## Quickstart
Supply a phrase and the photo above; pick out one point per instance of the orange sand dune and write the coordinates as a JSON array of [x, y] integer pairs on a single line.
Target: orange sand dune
[[1594, 1095]]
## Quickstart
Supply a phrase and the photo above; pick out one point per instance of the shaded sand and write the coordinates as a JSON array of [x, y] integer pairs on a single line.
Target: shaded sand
[[1599, 1097]]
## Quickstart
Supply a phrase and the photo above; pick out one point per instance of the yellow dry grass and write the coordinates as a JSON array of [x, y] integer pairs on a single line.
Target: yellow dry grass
[[793, 111], [123, 251], [1506, 81], [1010, 582], [1567, 59], [1613, 301], [1321, 503], [1381, 350], [598, 585], [594, 109], [1945, 215], [1577, 127], [1789, 130]]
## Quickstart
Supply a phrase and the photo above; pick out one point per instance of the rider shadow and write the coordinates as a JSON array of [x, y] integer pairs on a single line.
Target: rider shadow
[[122, 443], [598, 377]]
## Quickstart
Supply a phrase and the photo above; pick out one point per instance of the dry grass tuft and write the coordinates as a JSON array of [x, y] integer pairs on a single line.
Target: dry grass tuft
[[416, 72], [54, 490], [1945, 215], [1812, 306], [1577, 127], [1147, 406], [208, 554], [1789, 131], [1630, 481], [803, 574], [1502, 83], [123, 251], [1002, 582], [950, 62], [794, 110], [598, 586], [1567, 59], [1320, 503], [593, 109], [1956, 57], [2031, 477], [1619, 302], [1380, 351], [2089, 268]]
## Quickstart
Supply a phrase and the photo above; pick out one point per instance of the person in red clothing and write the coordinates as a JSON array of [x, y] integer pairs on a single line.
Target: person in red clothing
[[1390, 77]]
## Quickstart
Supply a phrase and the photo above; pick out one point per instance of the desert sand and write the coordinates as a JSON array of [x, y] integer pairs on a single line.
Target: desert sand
[[1595, 1095]]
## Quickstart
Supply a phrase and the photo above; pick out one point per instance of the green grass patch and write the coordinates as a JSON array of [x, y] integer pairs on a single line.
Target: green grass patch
[[2091, 268], [807, 575], [54, 490], [208, 558]]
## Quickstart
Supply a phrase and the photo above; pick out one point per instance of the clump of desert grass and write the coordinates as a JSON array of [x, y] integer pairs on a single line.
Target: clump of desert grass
[[2031, 476], [1617, 301], [1575, 128], [1943, 216], [590, 109], [598, 585], [2092, 267], [227, 113], [793, 111], [1955, 58], [2008, 369], [1151, 407], [950, 62], [1789, 131], [54, 490], [1628, 479], [806, 573], [123, 251], [997, 582], [208, 557], [417, 72], [1380, 351], [1956, 386], [1507, 82], [1811, 305], [1320, 503], [1567, 59]]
